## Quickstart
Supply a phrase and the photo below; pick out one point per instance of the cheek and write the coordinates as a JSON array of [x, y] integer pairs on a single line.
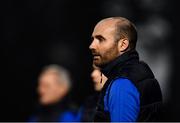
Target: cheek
[[42, 90], [52, 94], [96, 80], [103, 51], [48, 92], [110, 52]]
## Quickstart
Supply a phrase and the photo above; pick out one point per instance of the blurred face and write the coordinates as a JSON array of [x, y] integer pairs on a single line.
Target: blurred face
[[51, 89], [103, 47], [96, 78]]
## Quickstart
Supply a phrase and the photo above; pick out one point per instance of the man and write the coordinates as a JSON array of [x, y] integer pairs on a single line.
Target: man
[[89, 108], [131, 92], [53, 88]]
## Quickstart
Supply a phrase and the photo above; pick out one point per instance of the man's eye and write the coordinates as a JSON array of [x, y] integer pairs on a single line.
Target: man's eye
[[101, 38], [92, 38]]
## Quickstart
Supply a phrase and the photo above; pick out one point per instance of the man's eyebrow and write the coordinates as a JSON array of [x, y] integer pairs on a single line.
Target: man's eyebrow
[[100, 37]]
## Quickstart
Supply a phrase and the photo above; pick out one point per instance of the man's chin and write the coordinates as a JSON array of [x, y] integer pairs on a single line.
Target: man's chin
[[97, 63]]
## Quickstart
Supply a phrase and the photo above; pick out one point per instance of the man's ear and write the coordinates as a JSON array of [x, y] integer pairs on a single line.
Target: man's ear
[[123, 44]]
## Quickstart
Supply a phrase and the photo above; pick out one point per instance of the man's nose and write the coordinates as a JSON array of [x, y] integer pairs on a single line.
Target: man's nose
[[92, 45]]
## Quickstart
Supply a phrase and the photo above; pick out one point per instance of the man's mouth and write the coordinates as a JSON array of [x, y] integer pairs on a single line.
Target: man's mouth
[[95, 56]]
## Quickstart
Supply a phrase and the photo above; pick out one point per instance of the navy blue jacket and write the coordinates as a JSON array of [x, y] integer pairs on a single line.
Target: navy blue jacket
[[131, 86]]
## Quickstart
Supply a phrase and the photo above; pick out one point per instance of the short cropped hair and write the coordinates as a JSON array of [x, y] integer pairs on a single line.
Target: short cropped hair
[[125, 29]]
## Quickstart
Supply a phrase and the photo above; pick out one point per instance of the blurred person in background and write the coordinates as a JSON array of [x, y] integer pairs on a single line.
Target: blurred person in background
[[54, 86], [98, 78], [89, 108], [131, 92]]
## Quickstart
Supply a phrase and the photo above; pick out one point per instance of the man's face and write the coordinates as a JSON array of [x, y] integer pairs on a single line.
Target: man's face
[[103, 47], [50, 89]]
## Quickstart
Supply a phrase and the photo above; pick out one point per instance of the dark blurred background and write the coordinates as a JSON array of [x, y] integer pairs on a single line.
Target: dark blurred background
[[36, 33]]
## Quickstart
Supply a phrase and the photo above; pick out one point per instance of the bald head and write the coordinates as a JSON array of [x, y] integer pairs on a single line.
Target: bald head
[[111, 38], [122, 28]]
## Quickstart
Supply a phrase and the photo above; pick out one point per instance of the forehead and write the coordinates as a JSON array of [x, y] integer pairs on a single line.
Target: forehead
[[104, 27], [48, 77]]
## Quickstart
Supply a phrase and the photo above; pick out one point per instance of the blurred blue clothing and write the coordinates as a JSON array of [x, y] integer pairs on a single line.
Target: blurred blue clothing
[[66, 116], [122, 100], [62, 111], [69, 117]]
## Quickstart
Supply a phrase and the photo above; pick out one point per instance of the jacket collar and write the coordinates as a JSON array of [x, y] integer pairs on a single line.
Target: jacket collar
[[120, 61]]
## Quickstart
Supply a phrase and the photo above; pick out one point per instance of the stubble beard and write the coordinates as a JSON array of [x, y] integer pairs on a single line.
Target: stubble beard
[[108, 56]]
